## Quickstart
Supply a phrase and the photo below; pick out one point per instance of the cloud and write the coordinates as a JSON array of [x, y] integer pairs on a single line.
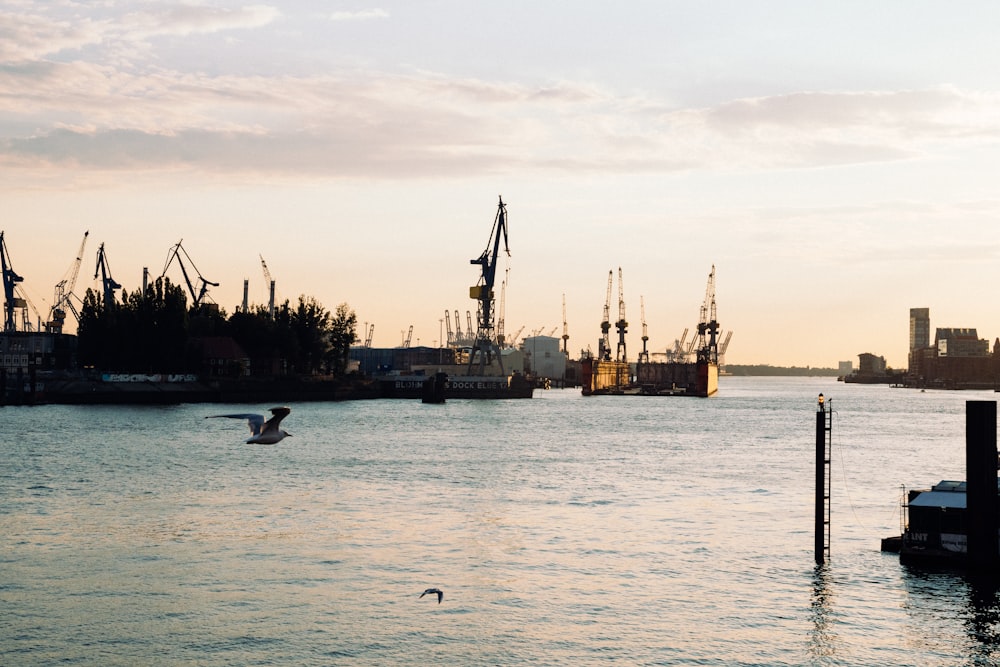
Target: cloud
[[187, 19], [114, 105], [27, 37], [363, 15], [37, 32]]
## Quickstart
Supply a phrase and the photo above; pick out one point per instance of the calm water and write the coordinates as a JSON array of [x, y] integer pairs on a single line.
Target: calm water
[[563, 530]]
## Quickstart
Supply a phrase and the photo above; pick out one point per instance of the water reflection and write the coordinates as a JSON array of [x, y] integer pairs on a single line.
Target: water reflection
[[983, 618], [936, 598], [822, 638]]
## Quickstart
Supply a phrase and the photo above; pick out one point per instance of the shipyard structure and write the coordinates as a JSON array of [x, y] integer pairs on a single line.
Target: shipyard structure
[[939, 358], [688, 369]]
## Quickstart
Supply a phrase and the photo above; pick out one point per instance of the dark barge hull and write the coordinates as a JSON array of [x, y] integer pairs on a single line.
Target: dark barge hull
[[477, 387]]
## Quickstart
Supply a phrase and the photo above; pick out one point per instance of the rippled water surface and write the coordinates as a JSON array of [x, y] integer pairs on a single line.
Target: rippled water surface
[[563, 530]]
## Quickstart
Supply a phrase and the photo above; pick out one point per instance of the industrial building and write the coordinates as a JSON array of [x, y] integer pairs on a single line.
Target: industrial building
[[957, 358]]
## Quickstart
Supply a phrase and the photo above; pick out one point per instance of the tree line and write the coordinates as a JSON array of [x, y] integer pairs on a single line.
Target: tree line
[[154, 331]]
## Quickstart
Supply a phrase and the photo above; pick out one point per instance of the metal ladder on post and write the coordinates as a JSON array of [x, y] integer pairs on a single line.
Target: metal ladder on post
[[828, 476]]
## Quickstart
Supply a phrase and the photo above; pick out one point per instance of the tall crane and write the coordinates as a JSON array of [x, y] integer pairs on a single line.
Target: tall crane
[[708, 326], [604, 346], [108, 284], [368, 338], [485, 342], [448, 329], [62, 301], [565, 336], [196, 296], [409, 336], [10, 281], [269, 281], [644, 355], [621, 325]]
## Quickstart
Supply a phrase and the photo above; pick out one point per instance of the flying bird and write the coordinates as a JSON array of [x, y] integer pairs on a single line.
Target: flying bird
[[431, 591], [263, 432]]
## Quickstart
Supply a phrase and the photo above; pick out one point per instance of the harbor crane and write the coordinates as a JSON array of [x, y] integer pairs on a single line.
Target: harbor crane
[[621, 325], [644, 355], [517, 334], [63, 299], [409, 336], [723, 347], [459, 335], [604, 346], [678, 353], [269, 281], [368, 338], [565, 336], [708, 326], [197, 296], [448, 329], [108, 284], [10, 281], [485, 342]]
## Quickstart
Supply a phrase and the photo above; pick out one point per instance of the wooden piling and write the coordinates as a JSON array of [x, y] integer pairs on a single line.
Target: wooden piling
[[983, 516]]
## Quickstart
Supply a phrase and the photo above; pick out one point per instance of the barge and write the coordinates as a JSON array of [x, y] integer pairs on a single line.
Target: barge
[[957, 523], [935, 525], [515, 385]]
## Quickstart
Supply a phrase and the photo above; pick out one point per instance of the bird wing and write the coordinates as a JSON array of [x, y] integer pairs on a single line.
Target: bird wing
[[272, 423], [255, 422]]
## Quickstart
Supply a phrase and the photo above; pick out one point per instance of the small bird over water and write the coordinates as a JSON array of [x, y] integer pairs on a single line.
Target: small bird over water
[[263, 432], [431, 591]]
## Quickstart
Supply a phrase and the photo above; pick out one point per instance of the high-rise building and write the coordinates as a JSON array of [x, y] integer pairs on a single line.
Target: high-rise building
[[920, 328]]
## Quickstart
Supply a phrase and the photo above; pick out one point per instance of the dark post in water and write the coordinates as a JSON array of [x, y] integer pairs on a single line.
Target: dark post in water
[[981, 483], [821, 497]]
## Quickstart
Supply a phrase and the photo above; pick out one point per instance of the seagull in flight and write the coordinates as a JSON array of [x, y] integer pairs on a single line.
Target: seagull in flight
[[431, 591], [263, 432]]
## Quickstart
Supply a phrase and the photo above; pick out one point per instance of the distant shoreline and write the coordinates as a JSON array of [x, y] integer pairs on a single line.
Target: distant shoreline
[[767, 370]]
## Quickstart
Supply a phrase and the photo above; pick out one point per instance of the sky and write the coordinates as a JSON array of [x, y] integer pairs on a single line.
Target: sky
[[834, 161]]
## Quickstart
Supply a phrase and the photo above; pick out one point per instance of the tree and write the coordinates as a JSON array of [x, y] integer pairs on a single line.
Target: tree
[[310, 322], [343, 334]]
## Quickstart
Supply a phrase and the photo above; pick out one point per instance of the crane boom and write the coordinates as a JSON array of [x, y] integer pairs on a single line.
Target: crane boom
[[565, 336], [644, 355], [269, 281], [196, 296], [108, 284], [604, 346], [621, 325], [64, 290]]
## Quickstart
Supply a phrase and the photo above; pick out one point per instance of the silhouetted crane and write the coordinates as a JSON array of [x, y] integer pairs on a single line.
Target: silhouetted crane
[[604, 345], [621, 325], [62, 300], [10, 281], [196, 296], [485, 343], [108, 284]]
